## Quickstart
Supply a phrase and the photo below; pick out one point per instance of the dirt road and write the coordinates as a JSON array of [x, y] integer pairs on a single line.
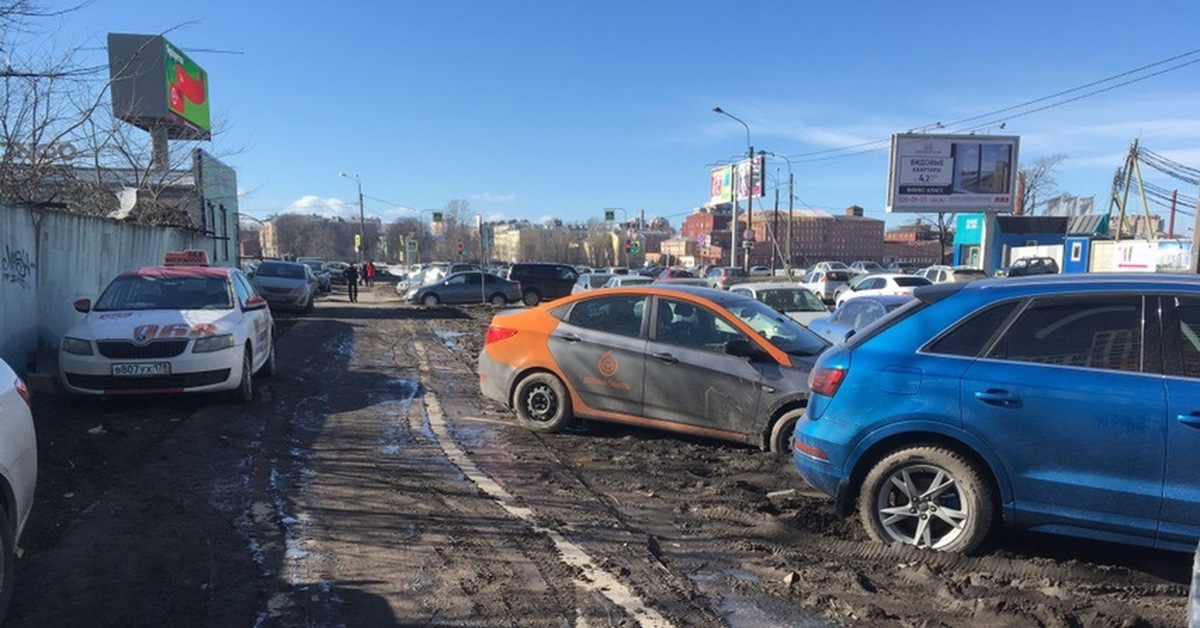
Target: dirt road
[[369, 484]]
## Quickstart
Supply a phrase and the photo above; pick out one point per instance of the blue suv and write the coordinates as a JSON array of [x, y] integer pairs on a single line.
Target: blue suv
[[1058, 404]]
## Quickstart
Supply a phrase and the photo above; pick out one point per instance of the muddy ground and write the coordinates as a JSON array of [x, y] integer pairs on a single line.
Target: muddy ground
[[369, 484]]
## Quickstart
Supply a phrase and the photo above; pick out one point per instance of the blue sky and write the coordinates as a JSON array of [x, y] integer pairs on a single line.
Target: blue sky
[[534, 109]]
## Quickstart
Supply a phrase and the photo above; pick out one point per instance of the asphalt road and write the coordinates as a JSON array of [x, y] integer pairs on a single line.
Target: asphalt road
[[369, 484]]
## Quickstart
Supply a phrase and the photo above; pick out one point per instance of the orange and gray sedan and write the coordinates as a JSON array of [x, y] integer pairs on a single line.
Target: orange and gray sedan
[[687, 359]]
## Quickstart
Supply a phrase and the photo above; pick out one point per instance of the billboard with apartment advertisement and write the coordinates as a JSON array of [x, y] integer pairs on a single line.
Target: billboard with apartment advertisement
[[748, 181], [154, 84], [720, 184], [952, 173]]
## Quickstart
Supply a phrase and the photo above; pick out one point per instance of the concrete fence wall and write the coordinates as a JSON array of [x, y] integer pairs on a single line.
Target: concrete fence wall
[[51, 258]]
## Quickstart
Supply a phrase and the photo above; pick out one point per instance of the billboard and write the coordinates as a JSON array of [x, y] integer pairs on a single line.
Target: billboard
[[952, 173], [720, 185], [749, 181], [154, 84]]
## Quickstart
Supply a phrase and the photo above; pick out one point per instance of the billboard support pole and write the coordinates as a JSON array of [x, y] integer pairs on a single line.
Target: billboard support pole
[[160, 156]]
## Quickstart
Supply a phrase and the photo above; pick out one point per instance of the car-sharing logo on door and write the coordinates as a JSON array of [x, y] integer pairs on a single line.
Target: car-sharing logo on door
[[608, 367]]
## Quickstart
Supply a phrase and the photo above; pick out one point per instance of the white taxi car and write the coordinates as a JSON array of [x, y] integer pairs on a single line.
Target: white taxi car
[[18, 473], [184, 326]]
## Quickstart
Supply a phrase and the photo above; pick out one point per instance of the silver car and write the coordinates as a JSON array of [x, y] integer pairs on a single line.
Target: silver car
[[18, 470], [288, 285], [797, 302]]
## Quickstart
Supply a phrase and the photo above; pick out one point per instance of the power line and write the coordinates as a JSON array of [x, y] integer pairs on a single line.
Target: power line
[[874, 145]]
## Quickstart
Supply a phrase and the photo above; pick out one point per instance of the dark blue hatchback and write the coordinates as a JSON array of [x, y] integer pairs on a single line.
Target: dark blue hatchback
[[1066, 404]]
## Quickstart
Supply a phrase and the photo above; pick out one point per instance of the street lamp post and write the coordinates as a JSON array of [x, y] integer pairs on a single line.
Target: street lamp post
[[749, 192], [787, 263], [362, 230]]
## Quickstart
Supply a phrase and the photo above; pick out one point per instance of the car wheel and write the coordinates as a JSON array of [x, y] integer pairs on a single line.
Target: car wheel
[[531, 297], [498, 300], [927, 496], [7, 562], [431, 300], [782, 433], [244, 393], [542, 403]]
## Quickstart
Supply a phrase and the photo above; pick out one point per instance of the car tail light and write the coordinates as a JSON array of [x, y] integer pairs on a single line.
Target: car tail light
[[23, 390], [826, 381], [496, 334]]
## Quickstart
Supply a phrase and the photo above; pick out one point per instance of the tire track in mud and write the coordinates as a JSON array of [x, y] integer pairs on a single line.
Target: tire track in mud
[[590, 576]]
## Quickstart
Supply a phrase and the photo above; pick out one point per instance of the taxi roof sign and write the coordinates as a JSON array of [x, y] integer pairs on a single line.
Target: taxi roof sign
[[190, 257]]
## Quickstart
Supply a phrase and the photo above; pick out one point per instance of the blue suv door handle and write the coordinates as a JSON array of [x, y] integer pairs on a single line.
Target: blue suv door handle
[[1190, 420], [997, 397], [665, 357]]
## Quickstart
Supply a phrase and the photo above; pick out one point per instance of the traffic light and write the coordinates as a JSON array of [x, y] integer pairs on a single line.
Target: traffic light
[[635, 246], [460, 250], [628, 245]]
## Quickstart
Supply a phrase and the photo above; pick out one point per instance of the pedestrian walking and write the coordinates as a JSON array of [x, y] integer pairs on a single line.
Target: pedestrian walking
[[369, 272], [351, 275]]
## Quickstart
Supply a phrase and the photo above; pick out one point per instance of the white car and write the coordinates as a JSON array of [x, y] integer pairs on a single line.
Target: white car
[[883, 284], [632, 279], [797, 302], [18, 471], [181, 327]]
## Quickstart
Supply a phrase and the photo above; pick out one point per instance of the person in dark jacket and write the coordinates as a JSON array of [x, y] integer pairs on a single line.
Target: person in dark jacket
[[351, 275]]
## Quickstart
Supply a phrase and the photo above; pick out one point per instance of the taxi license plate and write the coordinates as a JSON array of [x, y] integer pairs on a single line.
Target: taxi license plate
[[142, 369]]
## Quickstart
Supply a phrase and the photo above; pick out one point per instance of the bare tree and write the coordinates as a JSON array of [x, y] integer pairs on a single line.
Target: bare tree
[[1039, 181], [62, 144]]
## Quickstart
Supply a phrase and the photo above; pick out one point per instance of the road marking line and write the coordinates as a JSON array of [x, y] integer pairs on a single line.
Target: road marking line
[[594, 578]]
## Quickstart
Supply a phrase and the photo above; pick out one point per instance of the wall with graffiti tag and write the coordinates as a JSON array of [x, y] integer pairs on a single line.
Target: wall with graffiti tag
[[50, 258]]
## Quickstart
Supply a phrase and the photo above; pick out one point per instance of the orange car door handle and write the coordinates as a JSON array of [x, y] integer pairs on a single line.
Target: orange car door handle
[[570, 337]]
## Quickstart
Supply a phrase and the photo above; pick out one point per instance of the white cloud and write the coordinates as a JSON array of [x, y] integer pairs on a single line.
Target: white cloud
[[331, 207]]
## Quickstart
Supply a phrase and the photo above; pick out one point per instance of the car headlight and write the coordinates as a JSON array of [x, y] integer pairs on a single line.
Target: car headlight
[[77, 346], [411, 294], [213, 343]]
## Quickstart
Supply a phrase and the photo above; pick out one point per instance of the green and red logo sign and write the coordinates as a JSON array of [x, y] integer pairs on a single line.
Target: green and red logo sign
[[187, 88]]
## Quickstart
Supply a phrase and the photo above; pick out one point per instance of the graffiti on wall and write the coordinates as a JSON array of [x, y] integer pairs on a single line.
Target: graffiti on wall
[[17, 266]]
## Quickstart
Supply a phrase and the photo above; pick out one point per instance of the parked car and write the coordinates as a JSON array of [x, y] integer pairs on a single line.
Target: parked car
[[760, 271], [335, 270], [173, 328], [324, 277], [625, 354], [826, 282], [942, 274], [286, 285], [903, 268], [797, 302], [723, 277], [542, 281], [866, 267], [854, 315], [673, 273], [1026, 266], [631, 279], [829, 265], [465, 287], [1068, 405], [885, 283], [684, 281], [591, 281], [18, 472]]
